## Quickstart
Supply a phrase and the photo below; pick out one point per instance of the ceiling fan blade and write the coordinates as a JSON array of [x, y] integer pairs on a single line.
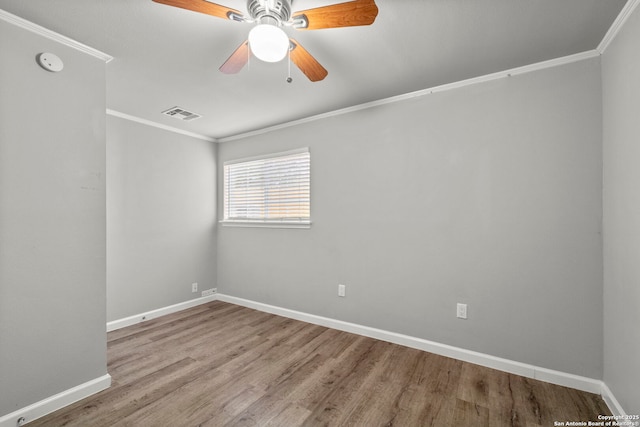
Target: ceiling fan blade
[[307, 63], [349, 14], [237, 60], [205, 7]]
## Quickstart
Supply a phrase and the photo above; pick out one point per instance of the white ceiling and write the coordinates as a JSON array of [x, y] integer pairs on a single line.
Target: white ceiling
[[165, 56]]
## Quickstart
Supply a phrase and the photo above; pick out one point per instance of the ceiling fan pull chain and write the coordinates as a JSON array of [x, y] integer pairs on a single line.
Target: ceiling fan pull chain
[[289, 79]]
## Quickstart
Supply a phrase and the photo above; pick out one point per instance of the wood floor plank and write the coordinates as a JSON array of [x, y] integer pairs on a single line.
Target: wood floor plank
[[470, 414], [378, 401], [291, 415], [532, 399], [299, 376], [428, 397], [240, 376], [474, 386], [348, 391], [220, 364]]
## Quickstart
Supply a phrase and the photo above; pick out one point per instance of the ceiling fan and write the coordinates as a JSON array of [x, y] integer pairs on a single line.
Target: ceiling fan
[[268, 42]]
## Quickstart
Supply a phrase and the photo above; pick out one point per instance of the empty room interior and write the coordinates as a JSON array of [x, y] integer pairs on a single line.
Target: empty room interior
[[415, 212]]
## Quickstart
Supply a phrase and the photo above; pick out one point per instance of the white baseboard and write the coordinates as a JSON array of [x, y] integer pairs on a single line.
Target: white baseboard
[[143, 317], [526, 370], [55, 402], [89, 388], [530, 371], [612, 402]]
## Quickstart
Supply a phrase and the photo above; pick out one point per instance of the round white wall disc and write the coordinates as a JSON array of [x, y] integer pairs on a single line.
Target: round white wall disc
[[50, 62]]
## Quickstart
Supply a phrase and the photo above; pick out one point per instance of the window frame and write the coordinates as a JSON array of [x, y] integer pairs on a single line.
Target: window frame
[[263, 223]]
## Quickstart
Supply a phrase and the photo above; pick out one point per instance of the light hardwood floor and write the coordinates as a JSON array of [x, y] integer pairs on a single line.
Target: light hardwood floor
[[220, 364]]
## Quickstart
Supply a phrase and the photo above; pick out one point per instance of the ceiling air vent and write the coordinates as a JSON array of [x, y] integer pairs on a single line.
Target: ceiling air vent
[[181, 114]]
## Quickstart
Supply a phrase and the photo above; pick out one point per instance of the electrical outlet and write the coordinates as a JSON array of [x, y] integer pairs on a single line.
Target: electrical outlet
[[341, 290], [194, 287], [462, 311], [208, 292]]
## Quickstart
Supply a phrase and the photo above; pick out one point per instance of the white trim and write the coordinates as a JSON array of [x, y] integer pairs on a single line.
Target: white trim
[[52, 35], [526, 370], [143, 317], [159, 125], [462, 83], [530, 371], [57, 401], [565, 379], [611, 401], [617, 25]]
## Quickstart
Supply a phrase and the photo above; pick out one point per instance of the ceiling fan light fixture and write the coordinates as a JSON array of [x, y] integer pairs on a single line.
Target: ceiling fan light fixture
[[268, 42]]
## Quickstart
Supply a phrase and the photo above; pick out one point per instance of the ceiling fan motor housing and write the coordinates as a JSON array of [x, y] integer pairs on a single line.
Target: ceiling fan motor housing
[[268, 11]]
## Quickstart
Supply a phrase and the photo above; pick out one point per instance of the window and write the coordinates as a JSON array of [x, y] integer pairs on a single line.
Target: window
[[269, 190]]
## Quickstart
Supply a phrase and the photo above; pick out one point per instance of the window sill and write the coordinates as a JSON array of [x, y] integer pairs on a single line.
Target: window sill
[[259, 224]]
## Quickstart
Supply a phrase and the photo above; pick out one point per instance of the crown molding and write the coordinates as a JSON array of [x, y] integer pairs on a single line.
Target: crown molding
[[615, 28], [617, 25], [52, 35], [151, 123], [423, 92]]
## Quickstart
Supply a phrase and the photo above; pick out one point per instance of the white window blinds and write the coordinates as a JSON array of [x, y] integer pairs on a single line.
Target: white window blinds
[[274, 189]]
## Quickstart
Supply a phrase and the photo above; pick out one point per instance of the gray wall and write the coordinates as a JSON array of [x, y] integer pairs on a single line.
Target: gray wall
[[161, 217], [488, 195], [52, 220], [621, 106]]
